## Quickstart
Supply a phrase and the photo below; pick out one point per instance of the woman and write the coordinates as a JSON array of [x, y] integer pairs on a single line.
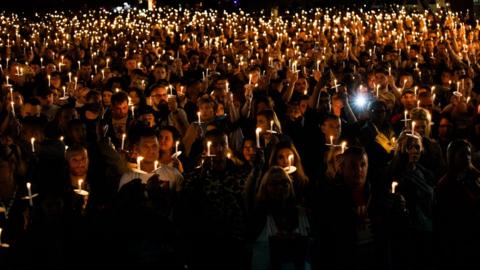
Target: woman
[[415, 184], [280, 227], [284, 154], [168, 138]]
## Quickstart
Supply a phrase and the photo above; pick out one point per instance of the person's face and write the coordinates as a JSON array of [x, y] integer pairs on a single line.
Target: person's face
[[248, 150], [148, 148], [354, 169], [160, 73], [444, 128], [380, 79], [48, 100], [106, 98], [78, 164], [421, 127], [30, 110], [301, 85], [409, 101], [331, 128], [131, 64], [413, 150], [159, 95], [56, 82], [78, 133], [194, 60], [217, 148], [149, 118], [165, 140], [282, 157], [262, 122], [134, 97], [446, 78], [206, 111], [120, 110], [278, 186]]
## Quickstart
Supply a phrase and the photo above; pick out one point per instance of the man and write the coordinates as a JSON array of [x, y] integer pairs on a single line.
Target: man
[[118, 117], [159, 103], [146, 145]]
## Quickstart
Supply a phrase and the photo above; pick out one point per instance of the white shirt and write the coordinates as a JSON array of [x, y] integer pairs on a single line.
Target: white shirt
[[166, 173]]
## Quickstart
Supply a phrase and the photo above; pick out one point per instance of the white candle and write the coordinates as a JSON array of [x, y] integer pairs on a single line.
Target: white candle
[[12, 103], [198, 115], [394, 185], [331, 140], [70, 77], [176, 146], [80, 181], [250, 78], [155, 164], [344, 146], [79, 66], [413, 127], [405, 117], [123, 141], [103, 74], [389, 71], [226, 86], [271, 125], [336, 87], [209, 144], [49, 77], [318, 65], [32, 141], [418, 103], [290, 161], [1, 237], [29, 191], [64, 89], [6, 77], [133, 110], [257, 133], [139, 161]]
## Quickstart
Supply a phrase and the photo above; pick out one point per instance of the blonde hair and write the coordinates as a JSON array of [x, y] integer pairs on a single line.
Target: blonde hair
[[274, 171]]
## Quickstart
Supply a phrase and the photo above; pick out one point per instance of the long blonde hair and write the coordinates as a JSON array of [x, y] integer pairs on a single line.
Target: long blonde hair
[[274, 171]]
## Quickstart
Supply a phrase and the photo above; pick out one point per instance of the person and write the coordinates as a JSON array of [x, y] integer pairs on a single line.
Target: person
[[146, 145], [211, 209], [456, 210], [168, 143], [279, 226], [416, 184], [284, 154]]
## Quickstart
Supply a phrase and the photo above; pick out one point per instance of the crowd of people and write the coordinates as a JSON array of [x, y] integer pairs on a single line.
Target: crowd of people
[[204, 139]]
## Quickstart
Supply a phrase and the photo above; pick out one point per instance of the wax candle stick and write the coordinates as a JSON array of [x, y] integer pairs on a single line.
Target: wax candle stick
[[80, 182], [12, 103], [155, 165], [176, 146], [199, 119], [344, 146], [209, 144], [394, 186], [413, 127], [32, 141], [257, 133], [139, 162], [123, 141], [405, 117], [290, 161], [29, 191], [331, 140]]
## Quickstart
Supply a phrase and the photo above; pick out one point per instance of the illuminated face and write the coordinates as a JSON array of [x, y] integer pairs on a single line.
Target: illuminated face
[[354, 169], [159, 95], [421, 127], [301, 85], [409, 101], [282, 157], [414, 149], [134, 97], [332, 128], [78, 164], [248, 150], [263, 123], [106, 98], [166, 140], [206, 110], [148, 148], [120, 110]]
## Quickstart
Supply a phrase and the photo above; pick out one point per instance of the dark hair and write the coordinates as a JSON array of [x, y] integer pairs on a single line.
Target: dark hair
[[142, 132], [173, 130], [355, 151], [119, 98], [452, 149]]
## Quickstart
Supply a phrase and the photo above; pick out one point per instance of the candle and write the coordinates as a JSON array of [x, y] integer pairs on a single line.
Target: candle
[[32, 141], [418, 103], [257, 133], [378, 88], [318, 65], [468, 99], [405, 117], [96, 71], [226, 86], [344, 146], [250, 78], [79, 65], [271, 125], [133, 110], [70, 77], [413, 127], [103, 74], [290, 161], [176, 146], [61, 138], [331, 140], [12, 103], [394, 185], [123, 141], [198, 115], [49, 77], [336, 86], [29, 190], [80, 181], [139, 161], [155, 164], [389, 71], [64, 89], [209, 144]]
